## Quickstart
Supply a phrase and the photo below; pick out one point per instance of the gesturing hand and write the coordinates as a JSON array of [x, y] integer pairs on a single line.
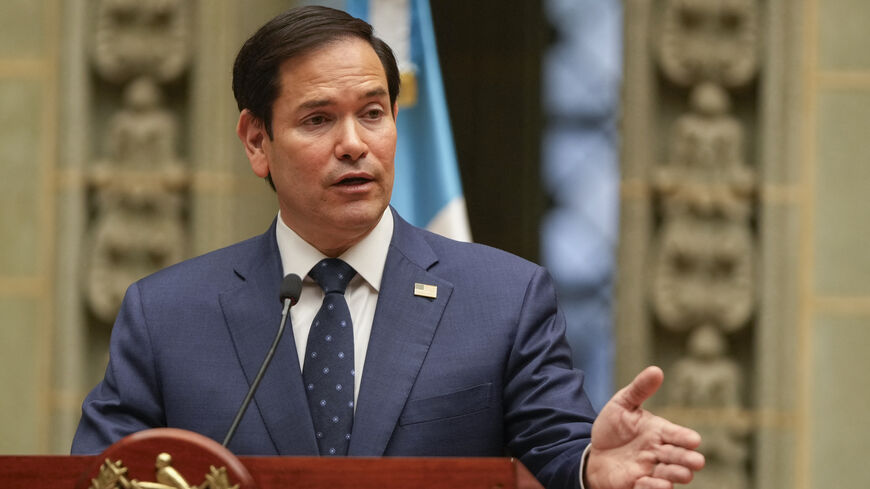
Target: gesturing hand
[[633, 449]]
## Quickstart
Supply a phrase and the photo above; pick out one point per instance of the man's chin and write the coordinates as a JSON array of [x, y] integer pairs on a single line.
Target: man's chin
[[360, 218]]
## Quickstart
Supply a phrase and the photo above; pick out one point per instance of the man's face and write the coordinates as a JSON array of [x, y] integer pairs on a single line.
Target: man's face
[[331, 158]]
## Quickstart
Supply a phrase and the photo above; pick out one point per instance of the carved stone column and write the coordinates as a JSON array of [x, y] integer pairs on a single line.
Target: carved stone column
[[138, 185], [694, 259]]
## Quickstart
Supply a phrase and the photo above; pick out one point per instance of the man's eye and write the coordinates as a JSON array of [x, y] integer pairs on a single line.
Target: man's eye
[[374, 113], [315, 120]]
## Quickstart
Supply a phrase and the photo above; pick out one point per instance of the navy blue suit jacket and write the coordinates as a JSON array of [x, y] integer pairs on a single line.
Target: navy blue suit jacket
[[481, 370]]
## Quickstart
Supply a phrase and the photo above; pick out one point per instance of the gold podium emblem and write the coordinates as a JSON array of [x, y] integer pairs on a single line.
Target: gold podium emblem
[[113, 475]]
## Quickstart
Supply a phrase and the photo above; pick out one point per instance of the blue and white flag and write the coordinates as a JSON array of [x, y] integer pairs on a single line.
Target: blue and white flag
[[427, 189]]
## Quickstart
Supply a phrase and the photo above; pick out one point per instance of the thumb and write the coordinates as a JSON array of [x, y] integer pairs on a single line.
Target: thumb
[[641, 388]]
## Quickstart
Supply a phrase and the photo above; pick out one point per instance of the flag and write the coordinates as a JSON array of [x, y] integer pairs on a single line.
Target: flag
[[427, 190]]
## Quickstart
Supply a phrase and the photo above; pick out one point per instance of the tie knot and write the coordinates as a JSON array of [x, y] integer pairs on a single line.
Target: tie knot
[[332, 275]]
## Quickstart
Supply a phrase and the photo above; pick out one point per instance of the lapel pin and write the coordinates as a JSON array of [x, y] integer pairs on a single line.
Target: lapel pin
[[424, 290]]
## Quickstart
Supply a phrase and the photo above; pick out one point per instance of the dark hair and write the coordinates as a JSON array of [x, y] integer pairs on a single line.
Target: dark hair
[[256, 80]]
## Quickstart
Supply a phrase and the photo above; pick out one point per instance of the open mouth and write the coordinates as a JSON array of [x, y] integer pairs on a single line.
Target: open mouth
[[354, 181]]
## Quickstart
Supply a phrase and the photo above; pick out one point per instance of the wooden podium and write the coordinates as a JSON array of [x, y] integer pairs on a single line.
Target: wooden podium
[[168, 458]]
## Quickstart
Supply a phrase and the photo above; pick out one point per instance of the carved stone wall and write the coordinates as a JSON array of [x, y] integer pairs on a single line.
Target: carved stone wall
[[138, 185], [688, 295], [742, 267]]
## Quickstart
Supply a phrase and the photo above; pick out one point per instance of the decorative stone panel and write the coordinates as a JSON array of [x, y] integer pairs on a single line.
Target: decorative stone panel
[[691, 181], [138, 187]]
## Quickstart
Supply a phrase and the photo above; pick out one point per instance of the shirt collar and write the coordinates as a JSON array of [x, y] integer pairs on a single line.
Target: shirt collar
[[367, 257]]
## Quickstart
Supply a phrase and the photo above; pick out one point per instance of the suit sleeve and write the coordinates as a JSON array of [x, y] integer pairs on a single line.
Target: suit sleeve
[[128, 398], [548, 418]]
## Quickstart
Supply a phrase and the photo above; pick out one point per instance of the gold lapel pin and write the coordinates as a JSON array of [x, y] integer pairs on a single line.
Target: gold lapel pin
[[425, 290]]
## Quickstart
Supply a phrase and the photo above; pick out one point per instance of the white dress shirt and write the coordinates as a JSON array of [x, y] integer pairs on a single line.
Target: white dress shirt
[[366, 257]]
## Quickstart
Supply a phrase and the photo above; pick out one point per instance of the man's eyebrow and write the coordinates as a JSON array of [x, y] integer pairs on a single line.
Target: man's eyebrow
[[316, 103], [377, 92]]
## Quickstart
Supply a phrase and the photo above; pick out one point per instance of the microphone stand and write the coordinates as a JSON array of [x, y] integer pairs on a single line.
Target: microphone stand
[[291, 288]]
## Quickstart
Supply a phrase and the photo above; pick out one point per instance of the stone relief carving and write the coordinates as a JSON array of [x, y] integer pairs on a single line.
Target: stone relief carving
[[141, 37], [703, 251], [704, 257], [709, 40], [702, 274], [139, 187], [706, 174], [707, 378]]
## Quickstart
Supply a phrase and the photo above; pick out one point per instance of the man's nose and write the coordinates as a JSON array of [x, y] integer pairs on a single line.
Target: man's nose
[[350, 145]]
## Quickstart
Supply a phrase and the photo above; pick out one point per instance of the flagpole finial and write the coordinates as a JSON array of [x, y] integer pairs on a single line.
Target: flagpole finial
[[408, 93]]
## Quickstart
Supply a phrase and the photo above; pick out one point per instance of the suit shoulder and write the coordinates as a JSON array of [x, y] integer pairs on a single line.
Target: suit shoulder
[[475, 256]]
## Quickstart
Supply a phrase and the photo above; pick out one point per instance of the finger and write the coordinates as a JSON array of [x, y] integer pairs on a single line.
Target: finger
[[673, 455], [653, 483], [641, 388], [679, 435], [673, 473]]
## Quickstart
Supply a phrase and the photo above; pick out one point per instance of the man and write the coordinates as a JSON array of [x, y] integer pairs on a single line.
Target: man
[[453, 349]]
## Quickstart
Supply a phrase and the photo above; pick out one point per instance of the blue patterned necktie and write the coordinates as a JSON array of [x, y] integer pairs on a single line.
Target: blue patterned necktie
[[328, 371]]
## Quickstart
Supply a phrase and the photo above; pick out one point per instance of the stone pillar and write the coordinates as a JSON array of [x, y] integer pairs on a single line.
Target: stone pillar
[[705, 288], [28, 153]]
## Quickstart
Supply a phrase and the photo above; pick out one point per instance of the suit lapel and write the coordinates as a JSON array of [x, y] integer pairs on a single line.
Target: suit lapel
[[402, 331], [253, 312]]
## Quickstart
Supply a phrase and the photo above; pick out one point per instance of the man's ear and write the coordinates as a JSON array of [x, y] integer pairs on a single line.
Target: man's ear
[[252, 133], [395, 111]]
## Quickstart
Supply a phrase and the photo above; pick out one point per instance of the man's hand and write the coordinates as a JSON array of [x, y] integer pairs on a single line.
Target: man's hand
[[633, 449]]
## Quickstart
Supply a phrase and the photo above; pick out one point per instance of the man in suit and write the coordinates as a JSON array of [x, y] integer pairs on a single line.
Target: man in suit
[[454, 349]]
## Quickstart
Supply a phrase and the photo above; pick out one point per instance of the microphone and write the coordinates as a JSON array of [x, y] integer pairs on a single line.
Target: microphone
[[291, 289]]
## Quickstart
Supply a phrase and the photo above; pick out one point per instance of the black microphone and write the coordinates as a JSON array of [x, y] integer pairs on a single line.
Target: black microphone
[[291, 289]]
